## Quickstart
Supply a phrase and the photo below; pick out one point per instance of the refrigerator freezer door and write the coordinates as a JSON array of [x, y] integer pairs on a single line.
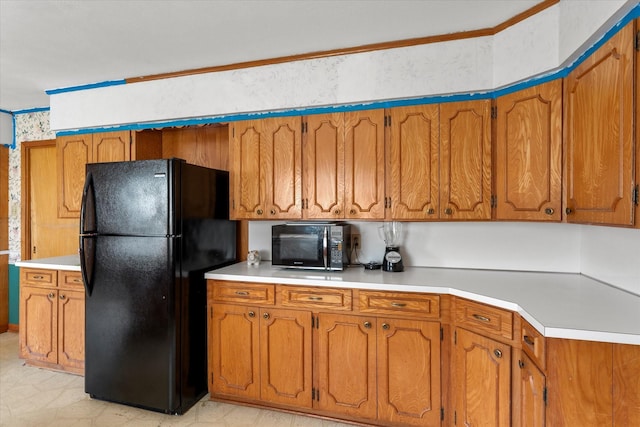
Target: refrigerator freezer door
[[130, 198], [136, 314]]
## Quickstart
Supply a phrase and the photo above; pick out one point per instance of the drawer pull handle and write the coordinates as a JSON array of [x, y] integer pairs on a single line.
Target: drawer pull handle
[[38, 277], [527, 339], [367, 325], [314, 298], [498, 353], [481, 318], [252, 314], [398, 304], [242, 293]]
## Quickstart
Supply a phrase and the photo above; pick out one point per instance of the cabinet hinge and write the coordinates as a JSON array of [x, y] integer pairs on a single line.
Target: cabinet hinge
[[442, 414], [441, 334], [494, 201], [455, 337], [455, 417], [233, 132], [304, 127], [638, 40], [211, 314], [634, 195], [494, 112], [387, 121], [315, 394], [544, 396], [313, 322]]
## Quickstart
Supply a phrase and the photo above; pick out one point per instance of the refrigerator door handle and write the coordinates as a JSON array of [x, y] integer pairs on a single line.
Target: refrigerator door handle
[[87, 197]]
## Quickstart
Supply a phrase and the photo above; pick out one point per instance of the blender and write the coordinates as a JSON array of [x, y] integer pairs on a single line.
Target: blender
[[391, 232]]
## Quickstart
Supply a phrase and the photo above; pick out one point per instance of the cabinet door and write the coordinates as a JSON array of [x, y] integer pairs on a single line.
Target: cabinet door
[[234, 351], [111, 147], [323, 166], [598, 132], [481, 380], [465, 160], [529, 154], [283, 167], [347, 365], [530, 398], [38, 324], [73, 153], [364, 164], [626, 389], [413, 180], [71, 328], [285, 357], [409, 372], [247, 183]]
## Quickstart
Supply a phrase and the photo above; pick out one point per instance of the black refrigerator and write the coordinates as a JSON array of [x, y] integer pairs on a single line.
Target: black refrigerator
[[149, 230]]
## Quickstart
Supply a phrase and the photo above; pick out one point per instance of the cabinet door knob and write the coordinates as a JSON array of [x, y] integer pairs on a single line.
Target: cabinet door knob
[[521, 364], [336, 212], [259, 211], [352, 211], [549, 211], [265, 315], [62, 297], [431, 211], [272, 211], [385, 326], [252, 314], [448, 211], [498, 353], [568, 211], [367, 325], [51, 295]]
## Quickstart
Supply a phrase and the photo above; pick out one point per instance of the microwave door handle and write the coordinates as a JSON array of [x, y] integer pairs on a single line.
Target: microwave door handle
[[325, 246]]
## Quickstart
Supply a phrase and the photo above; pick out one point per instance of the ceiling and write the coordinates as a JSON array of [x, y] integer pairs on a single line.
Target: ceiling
[[57, 44]]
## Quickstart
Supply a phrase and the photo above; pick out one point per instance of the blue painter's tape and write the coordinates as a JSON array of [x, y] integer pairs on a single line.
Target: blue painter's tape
[[84, 87], [5, 111], [31, 110]]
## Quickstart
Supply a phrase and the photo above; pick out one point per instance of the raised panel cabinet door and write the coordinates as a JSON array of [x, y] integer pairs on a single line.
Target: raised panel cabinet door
[[598, 123], [247, 182], [579, 383], [529, 154], [282, 164], [413, 149], [38, 324], [530, 398], [465, 160], [409, 390], [323, 166], [364, 164], [71, 329], [234, 351], [111, 147], [73, 153], [346, 358], [285, 357], [626, 387], [481, 381]]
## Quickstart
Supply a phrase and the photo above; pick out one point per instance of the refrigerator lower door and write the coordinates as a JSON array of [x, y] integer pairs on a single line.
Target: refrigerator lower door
[[137, 316]]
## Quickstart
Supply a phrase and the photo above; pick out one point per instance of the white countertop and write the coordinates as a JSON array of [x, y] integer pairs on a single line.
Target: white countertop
[[67, 262], [559, 305]]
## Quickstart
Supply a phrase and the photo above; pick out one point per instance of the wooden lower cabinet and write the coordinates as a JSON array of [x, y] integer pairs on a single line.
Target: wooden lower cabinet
[[529, 399], [52, 321], [481, 375], [260, 354]]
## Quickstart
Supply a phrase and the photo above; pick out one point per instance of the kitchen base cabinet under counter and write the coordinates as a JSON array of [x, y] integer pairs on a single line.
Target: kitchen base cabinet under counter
[[52, 319]]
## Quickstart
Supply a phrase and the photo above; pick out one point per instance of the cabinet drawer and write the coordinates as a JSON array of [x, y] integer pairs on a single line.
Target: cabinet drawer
[[31, 276], [72, 279], [483, 318], [533, 343], [400, 303], [310, 297], [242, 292]]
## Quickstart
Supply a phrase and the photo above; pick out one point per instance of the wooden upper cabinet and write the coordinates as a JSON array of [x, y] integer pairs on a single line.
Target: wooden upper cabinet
[[266, 168], [528, 149], [323, 166], [364, 164], [413, 165], [74, 152], [465, 160], [598, 123]]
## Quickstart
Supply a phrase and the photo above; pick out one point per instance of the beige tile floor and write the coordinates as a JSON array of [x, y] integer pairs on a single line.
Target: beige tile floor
[[34, 397]]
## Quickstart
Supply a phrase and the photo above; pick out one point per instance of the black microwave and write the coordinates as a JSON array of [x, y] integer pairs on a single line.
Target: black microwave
[[311, 245]]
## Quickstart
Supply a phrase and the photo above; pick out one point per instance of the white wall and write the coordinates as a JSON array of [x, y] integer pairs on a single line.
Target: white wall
[[481, 245], [6, 129]]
